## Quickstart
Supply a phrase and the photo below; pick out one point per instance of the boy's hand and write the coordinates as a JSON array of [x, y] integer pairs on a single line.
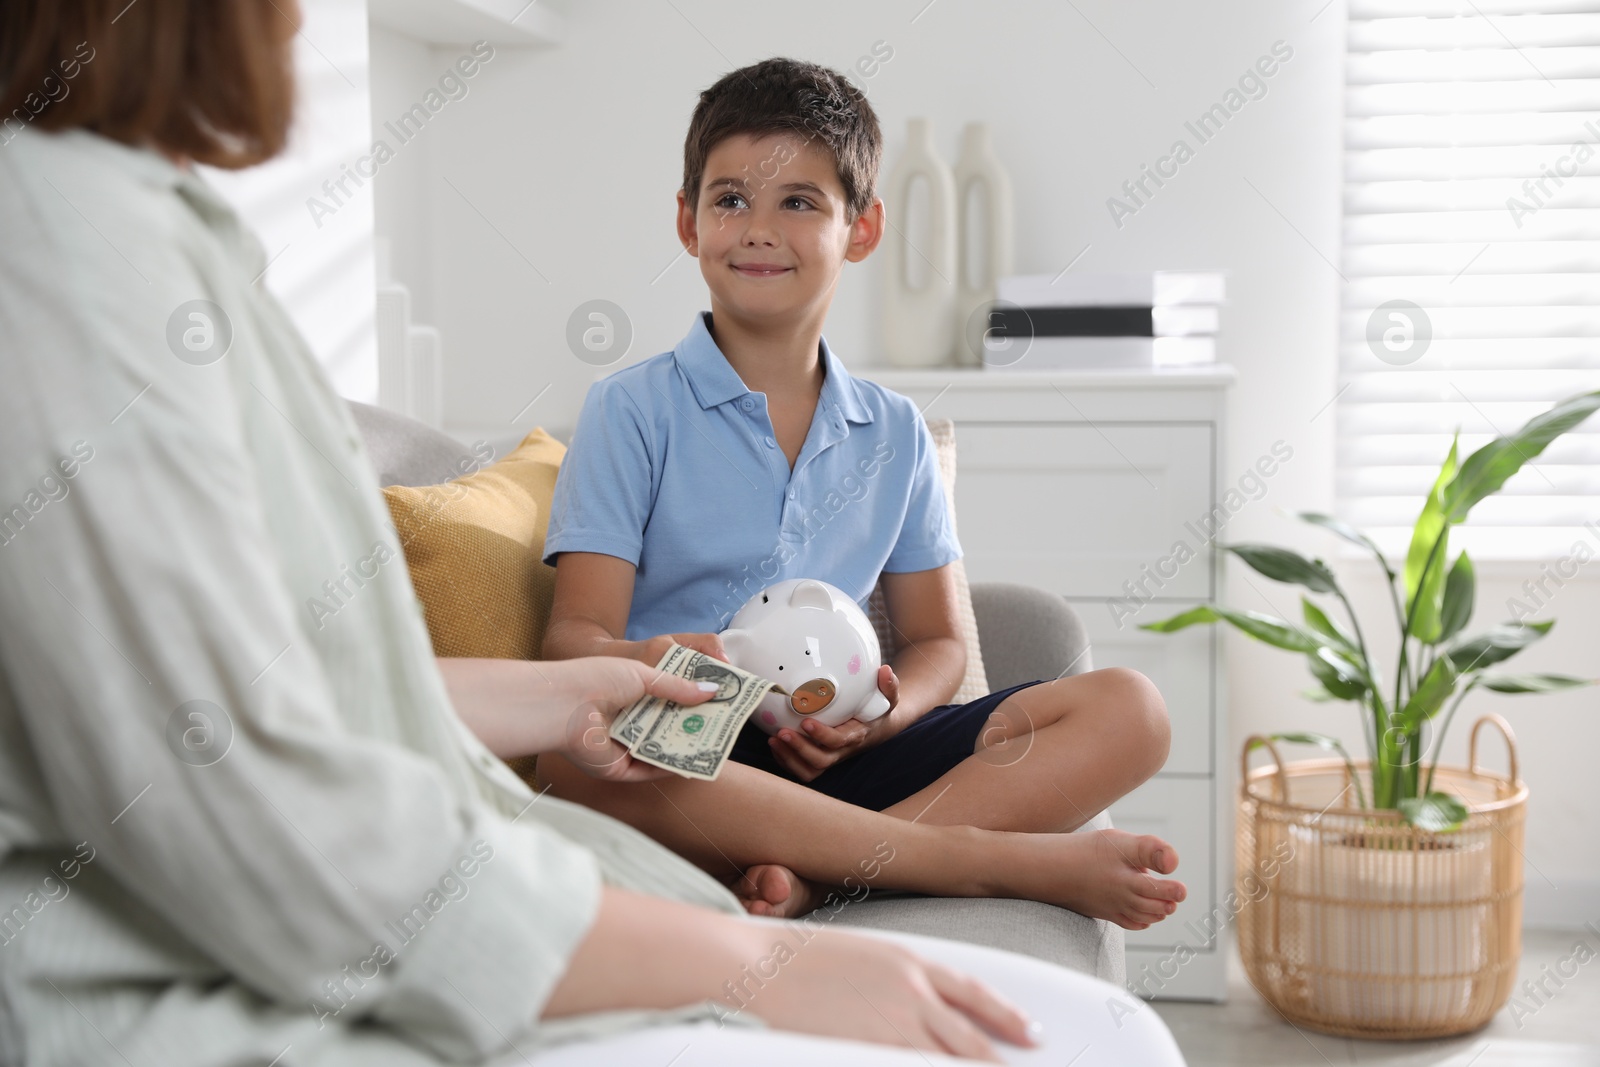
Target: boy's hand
[[650, 651], [817, 747]]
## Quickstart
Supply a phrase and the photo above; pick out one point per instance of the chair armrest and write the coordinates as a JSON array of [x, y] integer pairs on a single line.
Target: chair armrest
[[404, 451], [1027, 633]]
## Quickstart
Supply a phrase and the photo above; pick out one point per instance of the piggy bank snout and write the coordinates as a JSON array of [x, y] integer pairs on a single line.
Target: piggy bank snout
[[812, 696]]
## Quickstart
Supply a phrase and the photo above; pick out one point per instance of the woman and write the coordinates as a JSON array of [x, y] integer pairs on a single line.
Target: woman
[[230, 833]]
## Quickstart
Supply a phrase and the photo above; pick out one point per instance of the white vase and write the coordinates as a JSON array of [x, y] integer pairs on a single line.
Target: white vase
[[983, 259], [919, 323]]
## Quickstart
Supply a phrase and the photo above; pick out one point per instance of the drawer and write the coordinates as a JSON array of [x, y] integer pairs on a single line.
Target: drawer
[[1182, 812], [1083, 509], [1181, 664]]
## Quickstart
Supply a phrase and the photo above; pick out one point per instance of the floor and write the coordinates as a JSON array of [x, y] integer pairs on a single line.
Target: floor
[[1562, 1032]]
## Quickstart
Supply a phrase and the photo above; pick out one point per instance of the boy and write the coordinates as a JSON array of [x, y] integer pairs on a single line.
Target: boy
[[747, 455]]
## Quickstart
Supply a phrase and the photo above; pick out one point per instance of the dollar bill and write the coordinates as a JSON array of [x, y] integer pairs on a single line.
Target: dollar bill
[[631, 724], [691, 741]]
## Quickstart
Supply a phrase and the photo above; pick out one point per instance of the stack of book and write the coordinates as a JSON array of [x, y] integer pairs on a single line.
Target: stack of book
[[1071, 321]]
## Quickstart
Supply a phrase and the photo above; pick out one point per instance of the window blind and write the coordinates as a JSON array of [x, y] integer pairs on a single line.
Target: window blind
[[1471, 261]]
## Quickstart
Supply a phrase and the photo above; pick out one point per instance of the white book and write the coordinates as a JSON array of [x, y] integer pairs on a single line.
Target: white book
[[1137, 289], [1074, 353], [1185, 320]]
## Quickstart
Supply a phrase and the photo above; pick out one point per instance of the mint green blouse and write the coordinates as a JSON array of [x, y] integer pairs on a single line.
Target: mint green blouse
[[230, 826]]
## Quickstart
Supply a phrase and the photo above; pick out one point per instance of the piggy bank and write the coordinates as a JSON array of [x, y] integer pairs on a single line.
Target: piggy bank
[[818, 645]]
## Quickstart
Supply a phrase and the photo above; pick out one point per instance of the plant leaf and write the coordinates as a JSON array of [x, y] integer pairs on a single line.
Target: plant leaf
[[1534, 683], [1497, 645], [1182, 620], [1460, 588], [1319, 622], [1305, 738], [1337, 676], [1285, 565], [1425, 563], [1487, 469], [1349, 533], [1267, 628], [1435, 689], [1437, 812]]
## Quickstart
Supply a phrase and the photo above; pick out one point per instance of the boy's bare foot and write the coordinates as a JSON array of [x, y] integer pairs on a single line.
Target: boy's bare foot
[[775, 890], [1104, 874]]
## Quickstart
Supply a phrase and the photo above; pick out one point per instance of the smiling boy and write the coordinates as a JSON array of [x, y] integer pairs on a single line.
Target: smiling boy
[[747, 455]]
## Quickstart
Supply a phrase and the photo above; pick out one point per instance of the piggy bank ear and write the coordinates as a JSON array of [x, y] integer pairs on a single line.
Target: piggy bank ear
[[738, 644], [811, 594]]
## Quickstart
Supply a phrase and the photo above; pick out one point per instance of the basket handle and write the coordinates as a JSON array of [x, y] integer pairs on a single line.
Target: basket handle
[[1244, 763], [1505, 731]]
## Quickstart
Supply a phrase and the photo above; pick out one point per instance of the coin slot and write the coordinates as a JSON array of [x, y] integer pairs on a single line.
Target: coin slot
[[811, 697]]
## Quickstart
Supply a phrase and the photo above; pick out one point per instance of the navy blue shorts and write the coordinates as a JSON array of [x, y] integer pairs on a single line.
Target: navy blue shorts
[[886, 774]]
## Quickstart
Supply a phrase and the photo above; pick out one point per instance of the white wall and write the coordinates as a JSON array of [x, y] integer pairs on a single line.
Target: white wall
[[565, 164], [321, 263], [402, 70]]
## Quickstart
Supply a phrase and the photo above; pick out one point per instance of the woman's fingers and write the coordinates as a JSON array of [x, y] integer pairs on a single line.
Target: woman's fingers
[[633, 770], [659, 683], [977, 1000], [956, 1035]]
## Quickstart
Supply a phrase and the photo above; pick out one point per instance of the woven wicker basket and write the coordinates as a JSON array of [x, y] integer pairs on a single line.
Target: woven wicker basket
[[1354, 923]]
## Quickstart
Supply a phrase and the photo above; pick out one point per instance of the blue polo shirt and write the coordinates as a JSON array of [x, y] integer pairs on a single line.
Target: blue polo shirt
[[674, 467]]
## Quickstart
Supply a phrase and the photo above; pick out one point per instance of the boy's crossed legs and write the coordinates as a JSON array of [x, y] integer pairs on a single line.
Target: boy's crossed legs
[[1050, 758]]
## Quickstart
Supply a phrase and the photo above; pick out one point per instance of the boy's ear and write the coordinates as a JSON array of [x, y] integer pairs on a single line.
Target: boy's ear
[[688, 231], [866, 231]]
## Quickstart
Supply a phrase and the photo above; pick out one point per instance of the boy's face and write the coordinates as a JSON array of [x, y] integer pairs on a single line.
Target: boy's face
[[771, 230]]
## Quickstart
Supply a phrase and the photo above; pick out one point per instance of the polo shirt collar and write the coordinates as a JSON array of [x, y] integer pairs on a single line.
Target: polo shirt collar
[[710, 375], [714, 380], [840, 392]]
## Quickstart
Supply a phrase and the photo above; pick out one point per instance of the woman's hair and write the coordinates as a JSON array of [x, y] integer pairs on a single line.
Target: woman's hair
[[212, 80], [781, 95]]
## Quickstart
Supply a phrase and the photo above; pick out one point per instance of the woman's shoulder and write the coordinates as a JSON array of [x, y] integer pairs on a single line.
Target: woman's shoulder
[[75, 198]]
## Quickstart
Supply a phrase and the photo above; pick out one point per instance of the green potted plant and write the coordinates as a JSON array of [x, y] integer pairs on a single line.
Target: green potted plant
[[1356, 968]]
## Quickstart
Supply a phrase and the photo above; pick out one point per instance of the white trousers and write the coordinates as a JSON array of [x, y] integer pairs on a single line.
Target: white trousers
[[1087, 1022]]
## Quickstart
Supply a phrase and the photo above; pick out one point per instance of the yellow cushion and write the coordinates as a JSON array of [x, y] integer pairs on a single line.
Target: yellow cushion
[[473, 547]]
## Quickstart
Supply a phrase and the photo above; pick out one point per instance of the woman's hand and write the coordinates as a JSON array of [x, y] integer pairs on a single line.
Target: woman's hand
[[816, 747], [615, 684], [649, 952], [525, 707], [846, 985]]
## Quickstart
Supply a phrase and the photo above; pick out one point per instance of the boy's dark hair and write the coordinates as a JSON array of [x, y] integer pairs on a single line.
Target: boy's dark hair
[[781, 95]]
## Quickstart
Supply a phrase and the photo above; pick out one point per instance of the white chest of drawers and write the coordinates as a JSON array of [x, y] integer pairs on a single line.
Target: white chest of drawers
[[1086, 484]]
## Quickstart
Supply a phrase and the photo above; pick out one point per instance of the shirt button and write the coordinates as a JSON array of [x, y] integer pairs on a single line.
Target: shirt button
[[791, 494], [747, 404], [772, 442]]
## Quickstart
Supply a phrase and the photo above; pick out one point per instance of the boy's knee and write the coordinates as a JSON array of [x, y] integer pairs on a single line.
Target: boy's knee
[[1141, 712]]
